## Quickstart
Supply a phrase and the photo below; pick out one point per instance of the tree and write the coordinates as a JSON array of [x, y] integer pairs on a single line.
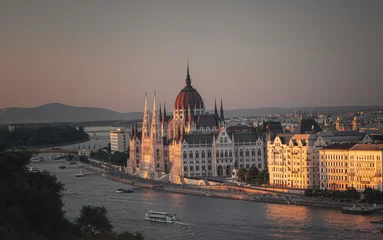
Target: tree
[[119, 158], [109, 148], [242, 173], [81, 129], [93, 221], [30, 204], [253, 173], [264, 174]]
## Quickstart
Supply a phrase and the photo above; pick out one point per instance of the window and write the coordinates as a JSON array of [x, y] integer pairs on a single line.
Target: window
[[225, 153], [203, 154], [203, 168], [197, 168], [165, 153], [230, 154], [190, 154], [241, 153], [158, 165], [137, 150], [209, 168], [185, 155], [191, 168], [253, 152], [209, 154], [259, 152], [225, 139], [158, 152], [197, 154], [185, 169], [247, 153], [221, 153]]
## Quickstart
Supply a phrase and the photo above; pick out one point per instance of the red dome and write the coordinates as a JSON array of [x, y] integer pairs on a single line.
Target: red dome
[[188, 97]]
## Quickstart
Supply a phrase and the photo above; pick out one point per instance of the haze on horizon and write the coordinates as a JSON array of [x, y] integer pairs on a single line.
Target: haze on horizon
[[251, 53]]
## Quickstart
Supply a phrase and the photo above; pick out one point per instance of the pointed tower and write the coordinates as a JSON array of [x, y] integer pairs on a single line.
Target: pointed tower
[[164, 117], [155, 125], [215, 107], [132, 136], [145, 121], [188, 80], [221, 117], [160, 114]]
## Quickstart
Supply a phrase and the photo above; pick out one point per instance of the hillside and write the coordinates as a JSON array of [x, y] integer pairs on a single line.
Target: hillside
[[56, 112]]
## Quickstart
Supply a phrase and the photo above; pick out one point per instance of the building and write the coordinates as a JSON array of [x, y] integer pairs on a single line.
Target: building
[[119, 140], [84, 152], [192, 142], [351, 165], [346, 124], [293, 159]]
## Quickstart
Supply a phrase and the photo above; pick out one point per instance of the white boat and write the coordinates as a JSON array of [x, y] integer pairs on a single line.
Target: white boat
[[33, 169], [79, 174], [121, 190], [36, 158], [161, 217]]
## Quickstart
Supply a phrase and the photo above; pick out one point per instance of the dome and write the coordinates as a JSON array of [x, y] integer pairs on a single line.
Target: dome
[[188, 96]]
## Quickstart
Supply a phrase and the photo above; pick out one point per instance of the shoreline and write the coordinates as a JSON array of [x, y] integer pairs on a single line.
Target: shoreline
[[209, 191]]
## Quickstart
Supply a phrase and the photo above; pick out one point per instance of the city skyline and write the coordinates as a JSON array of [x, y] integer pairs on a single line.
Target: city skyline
[[252, 54]]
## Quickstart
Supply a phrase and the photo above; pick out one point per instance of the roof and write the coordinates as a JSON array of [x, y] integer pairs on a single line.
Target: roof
[[196, 138], [245, 136], [239, 128], [367, 147], [340, 146], [209, 120], [308, 125]]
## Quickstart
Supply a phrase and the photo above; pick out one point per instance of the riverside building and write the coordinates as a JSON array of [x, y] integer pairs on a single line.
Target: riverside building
[[351, 165], [119, 140], [192, 142]]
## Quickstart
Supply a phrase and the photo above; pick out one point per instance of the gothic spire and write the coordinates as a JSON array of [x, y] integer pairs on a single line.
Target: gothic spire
[[222, 117], [160, 113], [145, 122], [215, 107], [188, 80]]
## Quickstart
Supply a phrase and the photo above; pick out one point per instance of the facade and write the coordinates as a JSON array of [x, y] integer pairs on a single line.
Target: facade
[[293, 159], [347, 125], [119, 140], [192, 142], [351, 165]]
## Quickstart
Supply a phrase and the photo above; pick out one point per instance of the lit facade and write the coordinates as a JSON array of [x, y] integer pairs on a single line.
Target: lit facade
[[351, 165]]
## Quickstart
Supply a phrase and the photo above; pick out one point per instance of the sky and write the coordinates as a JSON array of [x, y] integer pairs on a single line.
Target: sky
[[251, 54]]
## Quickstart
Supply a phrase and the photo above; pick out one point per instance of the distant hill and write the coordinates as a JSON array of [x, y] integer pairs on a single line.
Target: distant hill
[[56, 112]]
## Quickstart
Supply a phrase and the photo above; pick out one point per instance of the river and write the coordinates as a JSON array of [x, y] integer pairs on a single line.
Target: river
[[204, 217]]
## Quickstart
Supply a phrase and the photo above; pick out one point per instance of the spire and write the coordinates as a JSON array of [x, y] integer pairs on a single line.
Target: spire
[[188, 80], [222, 117], [215, 107], [136, 131], [160, 114], [132, 136], [154, 118], [164, 111], [145, 122]]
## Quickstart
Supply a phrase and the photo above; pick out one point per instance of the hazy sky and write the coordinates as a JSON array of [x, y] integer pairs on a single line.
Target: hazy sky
[[250, 53]]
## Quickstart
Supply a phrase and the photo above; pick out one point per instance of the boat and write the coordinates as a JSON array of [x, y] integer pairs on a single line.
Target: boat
[[79, 174], [33, 169], [161, 217], [121, 190], [378, 225], [357, 210], [37, 159], [62, 166]]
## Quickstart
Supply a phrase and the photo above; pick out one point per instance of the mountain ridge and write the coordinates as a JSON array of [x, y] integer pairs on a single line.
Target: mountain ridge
[[58, 112]]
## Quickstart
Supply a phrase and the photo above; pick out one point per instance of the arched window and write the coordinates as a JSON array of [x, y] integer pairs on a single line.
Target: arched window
[[230, 154], [185, 155], [209, 154], [158, 152], [253, 152], [197, 154], [225, 139], [190, 154], [220, 140], [217, 154], [203, 154], [221, 153], [259, 152], [241, 153], [247, 152], [225, 153]]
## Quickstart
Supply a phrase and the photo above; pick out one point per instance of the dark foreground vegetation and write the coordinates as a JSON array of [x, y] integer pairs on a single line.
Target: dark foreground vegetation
[[31, 207], [43, 135]]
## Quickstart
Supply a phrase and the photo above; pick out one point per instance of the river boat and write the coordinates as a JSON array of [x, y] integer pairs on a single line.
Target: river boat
[[62, 167], [378, 225], [33, 169], [161, 217], [121, 190], [79, 174], [357, 210]]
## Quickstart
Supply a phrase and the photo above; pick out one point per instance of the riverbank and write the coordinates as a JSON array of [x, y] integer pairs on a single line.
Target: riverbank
[[227, 192]]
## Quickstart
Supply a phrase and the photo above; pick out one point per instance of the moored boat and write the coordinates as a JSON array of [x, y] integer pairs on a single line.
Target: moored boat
[[79, 174], [62, 166], [161, 217], [378, 225], [357, 210], [121, 190]]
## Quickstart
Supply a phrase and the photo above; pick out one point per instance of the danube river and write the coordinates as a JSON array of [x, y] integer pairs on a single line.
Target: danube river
[[204, 217]]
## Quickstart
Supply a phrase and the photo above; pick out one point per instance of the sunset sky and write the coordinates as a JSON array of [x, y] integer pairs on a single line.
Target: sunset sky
[[251, 53]]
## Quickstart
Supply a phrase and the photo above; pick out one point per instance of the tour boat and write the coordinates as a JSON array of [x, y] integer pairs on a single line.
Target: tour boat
[[161, 217], [121, 190], [357, 210], [79, 174], [62, 166], [378, 225], [33, 169]]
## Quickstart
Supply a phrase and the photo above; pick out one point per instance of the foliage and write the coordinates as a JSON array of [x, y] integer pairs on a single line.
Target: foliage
[[372, 195], [31, 207], [27, 195], [41, 136], [93, 221], [264, 174], [118, 158], [347, 195], [253, 173], [242, 173]]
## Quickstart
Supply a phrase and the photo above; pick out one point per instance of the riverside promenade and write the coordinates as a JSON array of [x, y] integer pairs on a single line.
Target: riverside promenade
[[220, 191]]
